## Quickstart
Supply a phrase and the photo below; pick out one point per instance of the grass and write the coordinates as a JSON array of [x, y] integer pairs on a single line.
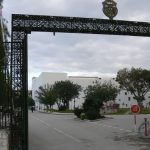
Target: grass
[[64, 111], [145, 111], [122, 111]]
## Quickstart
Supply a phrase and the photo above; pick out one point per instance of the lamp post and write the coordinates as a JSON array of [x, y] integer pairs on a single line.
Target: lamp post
[[110, 8]]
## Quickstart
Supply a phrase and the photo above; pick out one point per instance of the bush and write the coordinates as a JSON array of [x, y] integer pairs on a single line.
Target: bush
[[62, 108], [78, 111], [82, 116], [92, 114]]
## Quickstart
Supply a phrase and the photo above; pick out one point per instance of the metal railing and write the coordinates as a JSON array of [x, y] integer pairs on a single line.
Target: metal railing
[[5, 117]]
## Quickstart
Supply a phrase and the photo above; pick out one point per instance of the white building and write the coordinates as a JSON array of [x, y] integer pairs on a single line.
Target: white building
[[44, 79], [124, 98], [50, 78]]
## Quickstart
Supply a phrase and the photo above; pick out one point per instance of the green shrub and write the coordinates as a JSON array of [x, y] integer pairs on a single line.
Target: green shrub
[[62, 108], [82, 116], [78, 111], [92, 114]]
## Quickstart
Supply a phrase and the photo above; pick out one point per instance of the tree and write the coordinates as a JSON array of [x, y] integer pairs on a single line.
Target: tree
[[66, 91], [136, 81], [31, 102], [46, 95], [4, 87], [95, 95]]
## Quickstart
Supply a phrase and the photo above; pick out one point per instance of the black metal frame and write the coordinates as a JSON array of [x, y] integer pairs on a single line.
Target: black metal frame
[[22, 25]]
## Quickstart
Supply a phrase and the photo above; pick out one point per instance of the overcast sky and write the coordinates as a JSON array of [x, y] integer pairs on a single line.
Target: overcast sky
[[81, 54]]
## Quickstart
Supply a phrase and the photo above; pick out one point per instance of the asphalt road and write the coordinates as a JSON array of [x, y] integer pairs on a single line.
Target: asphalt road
[[66, 132]]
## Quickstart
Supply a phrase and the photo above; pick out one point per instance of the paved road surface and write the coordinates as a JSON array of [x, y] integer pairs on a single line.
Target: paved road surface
[[65, 132]]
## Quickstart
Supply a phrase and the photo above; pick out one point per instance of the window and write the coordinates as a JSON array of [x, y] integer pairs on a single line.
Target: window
[[125, 93], [129, 98]]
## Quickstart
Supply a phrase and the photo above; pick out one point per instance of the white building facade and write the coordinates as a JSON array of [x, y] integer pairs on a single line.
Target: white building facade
[[124, 98]]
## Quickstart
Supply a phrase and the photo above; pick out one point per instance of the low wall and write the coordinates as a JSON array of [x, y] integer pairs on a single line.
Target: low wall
[[4, 138]]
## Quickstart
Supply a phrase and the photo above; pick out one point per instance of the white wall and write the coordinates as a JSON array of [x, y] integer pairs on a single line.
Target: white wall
[[44, 79], [124, 98], [83, 82]]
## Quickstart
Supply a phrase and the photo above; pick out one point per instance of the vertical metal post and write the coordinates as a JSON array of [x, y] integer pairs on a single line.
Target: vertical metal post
[[145, 120], [25, 85], [135, 128]]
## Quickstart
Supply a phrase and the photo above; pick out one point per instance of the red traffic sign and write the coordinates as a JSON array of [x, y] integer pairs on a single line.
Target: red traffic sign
[[135, 109]]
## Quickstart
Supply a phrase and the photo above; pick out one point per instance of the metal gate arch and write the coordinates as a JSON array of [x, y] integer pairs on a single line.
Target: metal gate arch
[[22, 25]]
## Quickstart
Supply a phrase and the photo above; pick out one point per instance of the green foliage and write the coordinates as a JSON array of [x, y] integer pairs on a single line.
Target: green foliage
[[62, 108], [4, 87], [66, 91], [82, 116], [145, 111], [31, 102], [120, 111], [4, 94], [64, 111], [78, 111], [46, 95], [92, 114], [95, 95], [136, 81]]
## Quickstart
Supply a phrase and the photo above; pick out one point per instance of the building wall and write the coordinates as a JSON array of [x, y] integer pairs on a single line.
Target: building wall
[[124, 98], [44, 79], [83, 82]]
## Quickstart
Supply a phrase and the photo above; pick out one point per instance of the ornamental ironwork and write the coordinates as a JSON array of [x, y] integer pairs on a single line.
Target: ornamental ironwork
[[22, 25], [110, 9]]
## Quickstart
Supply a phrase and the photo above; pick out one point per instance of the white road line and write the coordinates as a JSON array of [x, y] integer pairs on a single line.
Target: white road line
[[70, 136], [121, 129], [109, 126], [58, 130], [128, 130], [41, 121]]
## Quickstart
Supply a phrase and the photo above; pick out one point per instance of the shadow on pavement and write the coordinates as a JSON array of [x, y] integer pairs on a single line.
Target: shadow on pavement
[[132, 139]]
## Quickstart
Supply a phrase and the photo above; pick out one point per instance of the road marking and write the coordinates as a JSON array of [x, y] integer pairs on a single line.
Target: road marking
[[58, 130], [109, 126], [121, 129], [41, 121], [128, 131], [70, 136]]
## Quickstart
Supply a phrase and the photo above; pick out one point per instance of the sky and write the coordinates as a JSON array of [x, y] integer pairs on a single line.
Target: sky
[[83, 54]]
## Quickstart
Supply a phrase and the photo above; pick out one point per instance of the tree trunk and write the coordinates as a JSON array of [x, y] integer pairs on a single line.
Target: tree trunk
[[140, 103]]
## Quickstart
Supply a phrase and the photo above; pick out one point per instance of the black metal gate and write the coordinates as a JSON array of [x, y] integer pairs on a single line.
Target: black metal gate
[[22, 25], [12, 108]]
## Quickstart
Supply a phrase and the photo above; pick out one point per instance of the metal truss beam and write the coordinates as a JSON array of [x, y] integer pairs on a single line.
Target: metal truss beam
[[30, 23]]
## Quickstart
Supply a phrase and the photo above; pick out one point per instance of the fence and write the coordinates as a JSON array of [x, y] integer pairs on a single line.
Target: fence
[[5, 117]]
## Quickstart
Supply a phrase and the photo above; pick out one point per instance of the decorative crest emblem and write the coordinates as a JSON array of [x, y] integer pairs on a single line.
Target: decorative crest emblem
[[110, 9]]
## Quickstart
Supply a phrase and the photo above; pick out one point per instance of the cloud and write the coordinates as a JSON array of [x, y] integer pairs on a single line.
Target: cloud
[[83, 54]]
